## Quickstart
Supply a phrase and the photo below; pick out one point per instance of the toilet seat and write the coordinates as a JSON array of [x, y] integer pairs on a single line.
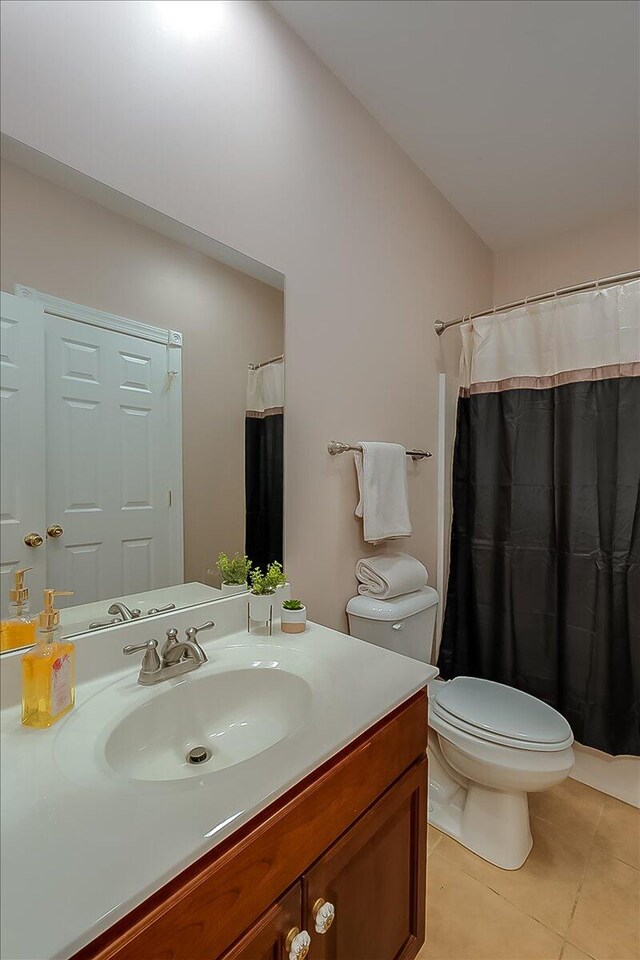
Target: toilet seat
[[500, 714]]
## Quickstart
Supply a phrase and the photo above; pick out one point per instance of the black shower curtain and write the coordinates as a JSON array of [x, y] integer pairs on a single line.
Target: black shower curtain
[[544, 583], [264, 487]]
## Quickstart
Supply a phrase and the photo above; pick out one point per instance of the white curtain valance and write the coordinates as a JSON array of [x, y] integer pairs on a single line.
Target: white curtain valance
[[585, 336], [265, 389]]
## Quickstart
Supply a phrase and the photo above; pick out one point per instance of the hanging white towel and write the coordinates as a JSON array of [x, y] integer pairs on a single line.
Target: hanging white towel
[[384, 502], [390, 575]]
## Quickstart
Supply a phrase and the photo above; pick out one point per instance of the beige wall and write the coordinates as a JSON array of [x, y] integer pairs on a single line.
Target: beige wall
[[605, 248], [72, 248], [261, 147]]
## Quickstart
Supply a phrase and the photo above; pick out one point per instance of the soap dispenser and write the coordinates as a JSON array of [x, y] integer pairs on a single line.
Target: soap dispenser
[[48, 669], [19, 629]]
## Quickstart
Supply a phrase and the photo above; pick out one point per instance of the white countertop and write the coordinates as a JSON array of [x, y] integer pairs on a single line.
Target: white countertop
[[82, 845]]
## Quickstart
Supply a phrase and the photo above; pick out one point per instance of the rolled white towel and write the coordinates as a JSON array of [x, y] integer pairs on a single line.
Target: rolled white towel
[[390, 575]]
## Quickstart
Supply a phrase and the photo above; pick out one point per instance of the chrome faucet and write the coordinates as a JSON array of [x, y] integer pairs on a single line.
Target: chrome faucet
[[175, 658], [123, 611]]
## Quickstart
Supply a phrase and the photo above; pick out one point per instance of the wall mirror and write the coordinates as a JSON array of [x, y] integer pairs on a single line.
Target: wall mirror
[[142, 397]]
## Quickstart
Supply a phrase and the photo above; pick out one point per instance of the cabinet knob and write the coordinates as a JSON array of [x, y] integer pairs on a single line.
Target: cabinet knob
[[33, 540], [55, 531], [297, 944], [323, 913]]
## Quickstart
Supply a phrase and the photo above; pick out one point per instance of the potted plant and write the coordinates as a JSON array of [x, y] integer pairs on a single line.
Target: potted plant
[[263, 589], [234, 572], [261, 596], [293, 616], [279, 579]]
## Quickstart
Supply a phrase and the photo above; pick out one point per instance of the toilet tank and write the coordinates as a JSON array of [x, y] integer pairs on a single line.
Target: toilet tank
[[404, 624]]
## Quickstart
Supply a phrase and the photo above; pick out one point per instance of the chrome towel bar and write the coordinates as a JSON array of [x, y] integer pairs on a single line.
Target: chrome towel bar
[[335, 447]]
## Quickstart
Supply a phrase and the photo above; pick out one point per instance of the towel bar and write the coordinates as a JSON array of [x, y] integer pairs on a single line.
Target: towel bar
[[335, 447]]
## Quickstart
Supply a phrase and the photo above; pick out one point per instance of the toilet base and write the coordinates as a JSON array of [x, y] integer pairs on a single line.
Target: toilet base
[[492, 824]]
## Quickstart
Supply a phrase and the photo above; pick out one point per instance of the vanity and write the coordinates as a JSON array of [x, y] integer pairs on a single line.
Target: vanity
[[303, 833]]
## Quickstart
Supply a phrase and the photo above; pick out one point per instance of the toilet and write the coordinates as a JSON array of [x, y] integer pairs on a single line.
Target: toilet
[[489, 744]]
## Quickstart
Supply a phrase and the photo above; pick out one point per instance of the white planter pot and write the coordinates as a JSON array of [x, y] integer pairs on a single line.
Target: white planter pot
[[259, 606], [283, 593], [293, 621], [229, 589]]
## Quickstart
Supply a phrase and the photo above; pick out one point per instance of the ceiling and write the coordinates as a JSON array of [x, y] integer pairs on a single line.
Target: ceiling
[[524, 113]]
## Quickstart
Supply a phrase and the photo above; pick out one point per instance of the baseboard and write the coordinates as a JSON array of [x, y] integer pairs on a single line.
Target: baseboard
[[617, 776]]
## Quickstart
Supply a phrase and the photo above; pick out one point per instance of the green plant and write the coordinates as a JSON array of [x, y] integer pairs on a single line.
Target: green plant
[[260, 586], [263, 584], [234, 570], [293, 605], [275, 574]]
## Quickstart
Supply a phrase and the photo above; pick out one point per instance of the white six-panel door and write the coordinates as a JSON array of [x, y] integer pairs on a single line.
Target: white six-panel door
[[110, 473], [89, 443], [22, 465]]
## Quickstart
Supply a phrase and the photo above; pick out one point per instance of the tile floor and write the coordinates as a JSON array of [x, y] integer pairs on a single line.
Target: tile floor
[[577, 897]]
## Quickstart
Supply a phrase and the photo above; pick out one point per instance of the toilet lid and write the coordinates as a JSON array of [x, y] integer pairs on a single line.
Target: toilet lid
[[495, 708]]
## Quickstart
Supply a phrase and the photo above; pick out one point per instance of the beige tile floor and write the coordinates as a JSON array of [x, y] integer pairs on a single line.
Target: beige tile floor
[[577, 897]]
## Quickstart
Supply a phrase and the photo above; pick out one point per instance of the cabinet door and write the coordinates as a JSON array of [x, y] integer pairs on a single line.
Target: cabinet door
[[265, 940], [375, 878]]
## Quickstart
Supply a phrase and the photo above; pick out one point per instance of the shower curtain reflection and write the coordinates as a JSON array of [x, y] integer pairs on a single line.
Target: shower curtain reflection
[[264, 463]]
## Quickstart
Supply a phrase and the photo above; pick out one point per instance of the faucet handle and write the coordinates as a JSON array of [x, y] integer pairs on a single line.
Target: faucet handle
[[192, 632], [154, 610], [151, 660]]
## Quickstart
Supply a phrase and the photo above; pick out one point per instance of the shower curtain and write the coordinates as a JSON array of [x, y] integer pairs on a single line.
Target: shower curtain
[[544, 581], [264, 466]]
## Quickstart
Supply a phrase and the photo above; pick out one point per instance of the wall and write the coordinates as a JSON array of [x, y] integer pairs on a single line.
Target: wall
[[70, 247], [247, 137], [601, 249]]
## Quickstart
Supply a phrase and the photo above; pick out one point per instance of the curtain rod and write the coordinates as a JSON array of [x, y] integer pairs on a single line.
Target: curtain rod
[[440, 325], [265, 363]]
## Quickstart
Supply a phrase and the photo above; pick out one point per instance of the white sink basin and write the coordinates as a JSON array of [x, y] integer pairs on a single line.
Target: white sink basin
[[233, 715], [245, 700]]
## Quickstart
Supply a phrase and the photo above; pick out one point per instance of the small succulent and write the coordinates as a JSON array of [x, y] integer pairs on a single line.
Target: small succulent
[[235, 569], [293, 605]]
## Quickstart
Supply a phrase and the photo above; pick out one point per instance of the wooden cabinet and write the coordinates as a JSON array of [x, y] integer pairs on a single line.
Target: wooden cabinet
[[267, 938], [375, 878], [352, 833]]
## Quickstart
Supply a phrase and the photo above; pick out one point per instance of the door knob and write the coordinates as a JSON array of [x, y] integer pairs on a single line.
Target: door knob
[[33, 540], [297, 944], [55, 531], [323, 914]]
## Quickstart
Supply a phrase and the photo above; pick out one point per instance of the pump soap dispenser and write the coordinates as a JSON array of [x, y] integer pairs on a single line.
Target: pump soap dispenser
[[48, 669], [19, 629]]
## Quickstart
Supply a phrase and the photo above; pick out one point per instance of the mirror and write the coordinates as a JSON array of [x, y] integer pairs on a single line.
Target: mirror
[[142, 385]]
